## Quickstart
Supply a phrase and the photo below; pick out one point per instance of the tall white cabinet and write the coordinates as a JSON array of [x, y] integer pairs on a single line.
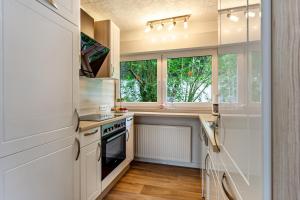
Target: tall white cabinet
[[38, 99]]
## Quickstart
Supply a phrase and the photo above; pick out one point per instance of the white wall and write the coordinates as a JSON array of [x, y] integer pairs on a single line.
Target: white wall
[[198, 35]]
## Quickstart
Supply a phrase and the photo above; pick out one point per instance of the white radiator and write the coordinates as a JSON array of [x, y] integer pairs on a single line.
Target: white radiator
[[168, 143]]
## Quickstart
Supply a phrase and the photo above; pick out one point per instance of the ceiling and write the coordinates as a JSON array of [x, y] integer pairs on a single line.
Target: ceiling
[[133, 14]]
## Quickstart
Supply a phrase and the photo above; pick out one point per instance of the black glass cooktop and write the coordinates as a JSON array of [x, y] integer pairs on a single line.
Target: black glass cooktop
[[97, 117]]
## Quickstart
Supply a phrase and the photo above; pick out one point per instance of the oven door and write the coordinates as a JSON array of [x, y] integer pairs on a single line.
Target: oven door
[[113, 151]]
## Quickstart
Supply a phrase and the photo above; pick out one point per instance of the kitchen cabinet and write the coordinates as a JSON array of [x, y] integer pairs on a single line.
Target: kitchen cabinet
[[130, 139], [65, 8], [38, 99], [39, 76], [45, 172], [90, 171], [108, 34]]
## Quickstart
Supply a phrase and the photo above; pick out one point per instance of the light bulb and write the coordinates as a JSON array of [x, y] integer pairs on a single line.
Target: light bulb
[[160, 27], [250, 14], [185, 24], [172, 26], [233, 17]]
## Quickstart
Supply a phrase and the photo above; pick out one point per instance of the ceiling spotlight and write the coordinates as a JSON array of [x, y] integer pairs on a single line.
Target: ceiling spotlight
[[185, 23], [160, 27], [250, 14], [232, 17], [148, 28], [172, 26]]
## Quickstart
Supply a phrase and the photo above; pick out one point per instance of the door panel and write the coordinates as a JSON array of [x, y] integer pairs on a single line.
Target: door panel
[[90, 171], [45, 172], [39, 76]]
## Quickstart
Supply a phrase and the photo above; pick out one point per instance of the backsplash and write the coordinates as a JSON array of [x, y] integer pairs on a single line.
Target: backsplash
[[95, 92]]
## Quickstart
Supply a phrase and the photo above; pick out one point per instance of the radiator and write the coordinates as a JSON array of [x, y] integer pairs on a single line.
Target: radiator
[[168, 143]]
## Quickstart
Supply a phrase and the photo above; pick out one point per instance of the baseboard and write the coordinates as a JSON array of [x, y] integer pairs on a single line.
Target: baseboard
[[165, 162]]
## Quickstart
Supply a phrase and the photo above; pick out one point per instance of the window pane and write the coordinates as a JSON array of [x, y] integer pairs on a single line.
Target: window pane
[[139, 81], [255, 75], [228, 78], [189, 79]]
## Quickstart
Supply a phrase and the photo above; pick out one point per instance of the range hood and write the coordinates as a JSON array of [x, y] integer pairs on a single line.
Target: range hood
[[93, 55]]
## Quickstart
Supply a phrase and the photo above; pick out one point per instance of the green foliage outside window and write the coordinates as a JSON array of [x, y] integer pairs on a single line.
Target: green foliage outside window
[[227, 78], [255, 76], [139, 81], [189, 79]]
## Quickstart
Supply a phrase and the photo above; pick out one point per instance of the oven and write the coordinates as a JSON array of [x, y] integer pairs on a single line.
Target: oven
[[113, 138]]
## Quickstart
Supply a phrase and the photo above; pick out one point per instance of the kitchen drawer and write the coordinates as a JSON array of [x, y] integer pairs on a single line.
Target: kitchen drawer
[[69, 10], [90, 136]]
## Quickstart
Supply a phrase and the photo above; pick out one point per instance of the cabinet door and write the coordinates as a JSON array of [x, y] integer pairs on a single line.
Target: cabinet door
[[66, 8], [45, 172], [130, 140], [115, 51], [90, 167], [38, 76]]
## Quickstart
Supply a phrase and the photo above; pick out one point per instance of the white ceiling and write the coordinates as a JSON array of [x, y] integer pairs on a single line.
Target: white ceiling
[[133, 14]]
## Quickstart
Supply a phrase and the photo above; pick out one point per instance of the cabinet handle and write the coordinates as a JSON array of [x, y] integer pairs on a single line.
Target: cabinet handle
[[52, 3], [78, 148], [91, 133], [129, 119], [229, 196], [215, 138], [100, 154], [205, 164], [78, 120], [127, 135]]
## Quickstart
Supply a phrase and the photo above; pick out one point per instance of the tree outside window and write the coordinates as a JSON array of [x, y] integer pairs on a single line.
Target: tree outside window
[[189, 79], [139, 81]]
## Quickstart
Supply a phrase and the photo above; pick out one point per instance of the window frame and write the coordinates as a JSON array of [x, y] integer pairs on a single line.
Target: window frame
[[189, 53], [139, 57]]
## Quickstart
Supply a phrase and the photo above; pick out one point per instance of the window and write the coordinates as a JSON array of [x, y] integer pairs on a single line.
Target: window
[[138, 81], [255, 76], [228, 78], [172, 80], [189, 79]]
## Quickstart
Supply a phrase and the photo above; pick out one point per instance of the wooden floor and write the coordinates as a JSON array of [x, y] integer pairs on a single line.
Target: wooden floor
[[145, 181]]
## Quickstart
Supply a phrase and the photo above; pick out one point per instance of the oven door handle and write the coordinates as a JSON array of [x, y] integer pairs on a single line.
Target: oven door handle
[[114, 137]]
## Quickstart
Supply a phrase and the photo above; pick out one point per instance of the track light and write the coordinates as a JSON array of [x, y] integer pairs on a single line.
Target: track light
[[232, 17], [169, 22], [160, 27], [148, 28], [250, 14]]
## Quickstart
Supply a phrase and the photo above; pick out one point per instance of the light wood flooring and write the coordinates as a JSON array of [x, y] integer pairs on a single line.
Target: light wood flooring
[[145, 181]]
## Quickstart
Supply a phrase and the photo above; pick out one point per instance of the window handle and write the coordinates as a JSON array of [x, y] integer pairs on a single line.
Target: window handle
[[52, 3], [78, 120]]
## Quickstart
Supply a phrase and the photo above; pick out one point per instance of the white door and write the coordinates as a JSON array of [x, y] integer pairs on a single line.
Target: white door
[[38, 76], [68, 9], [90, 171], [46, 172], [129, 140]]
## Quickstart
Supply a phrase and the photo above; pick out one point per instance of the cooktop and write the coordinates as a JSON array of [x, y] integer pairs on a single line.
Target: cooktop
[[98, 117]]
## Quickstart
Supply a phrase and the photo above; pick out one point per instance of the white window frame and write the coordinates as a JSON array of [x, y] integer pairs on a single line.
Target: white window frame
[[190, 53], [151, 105]]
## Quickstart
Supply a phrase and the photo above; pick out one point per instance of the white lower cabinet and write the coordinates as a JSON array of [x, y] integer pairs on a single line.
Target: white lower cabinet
[[90, 171], [45, 172]]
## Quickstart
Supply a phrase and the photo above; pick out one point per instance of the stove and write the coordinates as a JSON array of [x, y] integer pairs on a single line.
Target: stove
[[98, 117]]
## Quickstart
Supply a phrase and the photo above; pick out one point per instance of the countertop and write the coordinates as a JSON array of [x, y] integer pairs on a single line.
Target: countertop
[[205, 120], [87, 125]]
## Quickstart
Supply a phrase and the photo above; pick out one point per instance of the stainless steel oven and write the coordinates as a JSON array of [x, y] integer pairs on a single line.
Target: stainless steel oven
[[113, 146]]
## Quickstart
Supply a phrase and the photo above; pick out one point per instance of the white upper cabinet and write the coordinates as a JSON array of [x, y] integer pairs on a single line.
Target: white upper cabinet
[[39, 75], [108, 34], [66, 8]]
